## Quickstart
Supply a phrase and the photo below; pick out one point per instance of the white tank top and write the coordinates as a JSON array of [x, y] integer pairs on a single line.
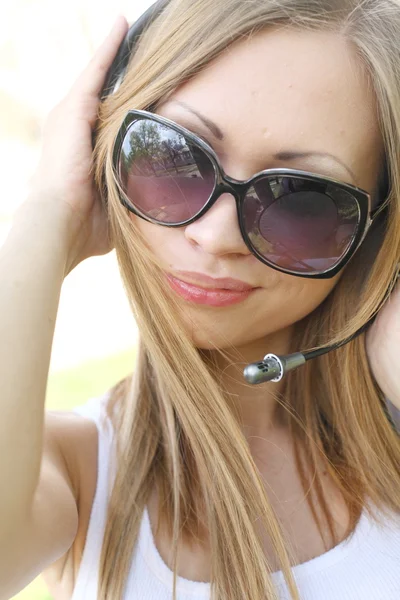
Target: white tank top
[[365, 566]]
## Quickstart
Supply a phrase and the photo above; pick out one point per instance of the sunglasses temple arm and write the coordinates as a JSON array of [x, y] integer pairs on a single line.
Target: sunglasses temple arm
[[273, 367]]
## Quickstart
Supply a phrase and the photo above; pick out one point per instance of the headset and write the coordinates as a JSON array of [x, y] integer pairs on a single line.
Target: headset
[[119, 65], [271, 367]]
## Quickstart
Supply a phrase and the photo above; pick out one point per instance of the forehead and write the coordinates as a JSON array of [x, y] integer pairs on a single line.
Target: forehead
[[289, 89]]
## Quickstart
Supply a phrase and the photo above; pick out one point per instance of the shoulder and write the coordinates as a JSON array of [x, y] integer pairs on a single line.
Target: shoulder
[[76, 435], [76, 438]]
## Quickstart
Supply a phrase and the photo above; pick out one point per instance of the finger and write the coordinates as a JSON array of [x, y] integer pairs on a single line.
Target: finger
[[91, 80]]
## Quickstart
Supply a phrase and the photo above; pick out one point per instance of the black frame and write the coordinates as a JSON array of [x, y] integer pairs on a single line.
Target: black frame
[[226, 184]]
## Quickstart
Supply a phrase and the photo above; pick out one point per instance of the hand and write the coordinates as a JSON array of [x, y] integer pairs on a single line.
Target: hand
[[383, 347], [64, 174]]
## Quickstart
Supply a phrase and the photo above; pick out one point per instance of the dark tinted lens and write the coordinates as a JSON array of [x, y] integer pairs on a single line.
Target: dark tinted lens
[[163, 175], [299, 224]]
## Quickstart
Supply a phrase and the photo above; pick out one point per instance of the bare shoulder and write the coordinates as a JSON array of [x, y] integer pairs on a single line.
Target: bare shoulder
[[76, 439]]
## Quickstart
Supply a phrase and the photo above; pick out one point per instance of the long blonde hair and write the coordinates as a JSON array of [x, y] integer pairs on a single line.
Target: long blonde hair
[[174, 426]]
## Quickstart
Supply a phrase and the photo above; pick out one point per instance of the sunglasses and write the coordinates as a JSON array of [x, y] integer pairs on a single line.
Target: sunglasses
[[294, 221]]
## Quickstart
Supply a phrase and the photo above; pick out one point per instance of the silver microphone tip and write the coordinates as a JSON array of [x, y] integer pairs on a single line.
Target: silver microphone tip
[[266, 370]]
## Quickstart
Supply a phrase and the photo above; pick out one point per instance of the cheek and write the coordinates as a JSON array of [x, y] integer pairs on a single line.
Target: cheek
[[300, 298], [162, 241]]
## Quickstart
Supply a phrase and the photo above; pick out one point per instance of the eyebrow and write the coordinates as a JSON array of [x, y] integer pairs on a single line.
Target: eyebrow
[[284, 155], [215, 130]]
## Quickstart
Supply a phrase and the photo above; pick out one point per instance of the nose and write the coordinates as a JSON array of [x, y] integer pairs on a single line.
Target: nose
[[217, 232]]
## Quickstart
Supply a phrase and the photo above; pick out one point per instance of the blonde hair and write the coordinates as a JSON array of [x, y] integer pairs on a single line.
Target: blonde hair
[[174, 426]]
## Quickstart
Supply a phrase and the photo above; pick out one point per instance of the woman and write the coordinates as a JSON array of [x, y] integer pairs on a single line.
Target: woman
[[290, 489]]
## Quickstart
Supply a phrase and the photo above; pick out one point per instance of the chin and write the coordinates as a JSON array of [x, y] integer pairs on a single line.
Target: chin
[[218, 333]]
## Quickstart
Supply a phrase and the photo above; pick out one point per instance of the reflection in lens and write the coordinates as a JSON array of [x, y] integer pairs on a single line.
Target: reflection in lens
[[163, 174], [299, 224]]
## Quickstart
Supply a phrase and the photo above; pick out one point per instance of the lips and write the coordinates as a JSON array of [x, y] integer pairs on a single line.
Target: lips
[[202, 289], [207, 282], [217, 297]]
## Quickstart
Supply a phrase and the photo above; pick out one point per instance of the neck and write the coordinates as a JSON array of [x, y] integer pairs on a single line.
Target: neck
[[257, 406]]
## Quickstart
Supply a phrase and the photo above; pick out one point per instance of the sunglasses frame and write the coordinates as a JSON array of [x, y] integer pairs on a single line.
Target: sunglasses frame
[[237, 188]]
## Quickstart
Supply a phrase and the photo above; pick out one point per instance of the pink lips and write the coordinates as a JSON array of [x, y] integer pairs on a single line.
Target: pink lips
[[214, 292]]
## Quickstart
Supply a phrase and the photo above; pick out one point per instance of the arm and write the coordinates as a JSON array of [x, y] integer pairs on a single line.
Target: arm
[[61, 224]]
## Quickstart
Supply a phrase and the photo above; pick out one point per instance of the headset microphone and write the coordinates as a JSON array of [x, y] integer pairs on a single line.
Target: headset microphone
[[273, 367]]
